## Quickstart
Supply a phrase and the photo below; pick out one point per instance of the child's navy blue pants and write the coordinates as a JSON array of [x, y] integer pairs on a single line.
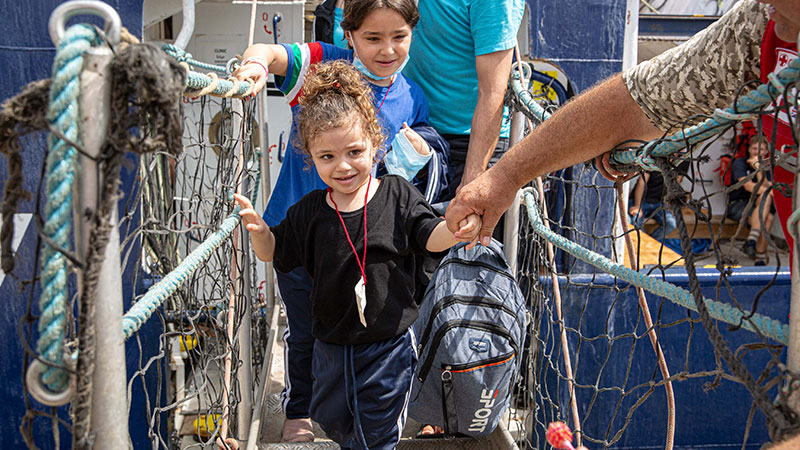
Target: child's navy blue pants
[[295, 288], [360, 394]]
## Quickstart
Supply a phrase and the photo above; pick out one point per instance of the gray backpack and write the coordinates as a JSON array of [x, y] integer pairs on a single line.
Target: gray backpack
[[470, 331]]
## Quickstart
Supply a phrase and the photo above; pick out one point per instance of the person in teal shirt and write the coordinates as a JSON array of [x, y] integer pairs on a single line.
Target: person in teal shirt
[[462, 55], [327, 28]]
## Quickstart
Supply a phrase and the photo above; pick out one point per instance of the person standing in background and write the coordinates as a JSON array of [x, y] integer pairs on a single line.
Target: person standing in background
[[461, 57], [327, 28]]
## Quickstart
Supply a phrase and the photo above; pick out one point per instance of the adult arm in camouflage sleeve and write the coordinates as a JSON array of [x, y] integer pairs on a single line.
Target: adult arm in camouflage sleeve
[[639, 104]]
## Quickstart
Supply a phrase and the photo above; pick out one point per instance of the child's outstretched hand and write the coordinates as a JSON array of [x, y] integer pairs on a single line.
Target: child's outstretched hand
[[254, 69], [468, 230], [416, 140], [251, 219]]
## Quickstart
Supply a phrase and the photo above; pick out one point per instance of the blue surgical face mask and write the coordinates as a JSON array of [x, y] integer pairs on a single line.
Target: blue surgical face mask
[[403, 159], [359, 65]]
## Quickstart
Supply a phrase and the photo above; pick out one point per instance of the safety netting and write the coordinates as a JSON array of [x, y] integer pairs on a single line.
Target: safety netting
[[195, 316], [643, 340]]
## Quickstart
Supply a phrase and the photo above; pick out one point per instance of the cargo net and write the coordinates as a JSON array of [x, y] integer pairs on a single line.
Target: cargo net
[[627, 367], [195, 322], [198, 346]]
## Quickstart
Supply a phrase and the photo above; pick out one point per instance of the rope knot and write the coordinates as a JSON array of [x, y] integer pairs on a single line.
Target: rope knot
[[645, 161]]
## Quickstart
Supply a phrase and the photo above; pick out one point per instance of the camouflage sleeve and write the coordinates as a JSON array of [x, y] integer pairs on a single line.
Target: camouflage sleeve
[[705, 72]]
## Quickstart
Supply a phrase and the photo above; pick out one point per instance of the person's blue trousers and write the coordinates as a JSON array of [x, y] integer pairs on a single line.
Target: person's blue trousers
[[360, 394], [295, 288]]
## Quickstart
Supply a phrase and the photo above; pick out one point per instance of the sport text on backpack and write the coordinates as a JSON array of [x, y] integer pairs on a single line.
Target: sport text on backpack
[[471, 329]]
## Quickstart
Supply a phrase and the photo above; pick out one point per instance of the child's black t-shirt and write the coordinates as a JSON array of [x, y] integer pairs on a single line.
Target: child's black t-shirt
[[399, 222]]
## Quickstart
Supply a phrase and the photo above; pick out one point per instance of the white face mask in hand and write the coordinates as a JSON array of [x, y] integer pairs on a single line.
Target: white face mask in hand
[[403, 160]]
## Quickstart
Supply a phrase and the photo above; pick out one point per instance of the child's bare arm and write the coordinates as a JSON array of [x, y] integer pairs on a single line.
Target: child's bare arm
[[441, 238], [260, 235], [262, 58]]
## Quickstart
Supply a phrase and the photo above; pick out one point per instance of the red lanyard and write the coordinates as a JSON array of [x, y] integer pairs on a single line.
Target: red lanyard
[[362, 263], [385, 95]]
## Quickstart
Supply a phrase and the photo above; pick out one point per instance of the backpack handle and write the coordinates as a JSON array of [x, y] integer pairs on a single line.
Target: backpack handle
[[494, 247]]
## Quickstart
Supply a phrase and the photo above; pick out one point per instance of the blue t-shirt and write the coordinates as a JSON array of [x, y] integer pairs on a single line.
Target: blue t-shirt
[[403, 101], [448, 37]]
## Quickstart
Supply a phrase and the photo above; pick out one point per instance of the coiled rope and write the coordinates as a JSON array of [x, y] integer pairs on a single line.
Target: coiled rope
[[198, 84], [63, 116], [757, 323], [183, 56]]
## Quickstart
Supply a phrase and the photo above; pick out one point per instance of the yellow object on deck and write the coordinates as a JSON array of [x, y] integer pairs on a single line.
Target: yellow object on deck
[[205, 424], [651, 252], [188, 342]]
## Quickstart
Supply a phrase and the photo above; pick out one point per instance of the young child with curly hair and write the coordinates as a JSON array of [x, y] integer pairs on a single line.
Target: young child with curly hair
[[379, 32], [358, 239]]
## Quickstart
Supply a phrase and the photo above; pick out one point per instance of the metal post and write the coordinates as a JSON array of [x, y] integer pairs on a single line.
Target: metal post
[[266, 370], [263, 133], [266, 181], [793, 347], [109, 399], [272, 335], [239, 269], [187, 29], [511, 225], [244, 375], [629, 57]]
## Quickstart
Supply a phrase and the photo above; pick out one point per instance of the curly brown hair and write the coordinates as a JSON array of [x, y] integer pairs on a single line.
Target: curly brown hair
[[335, 95], [355, 11]]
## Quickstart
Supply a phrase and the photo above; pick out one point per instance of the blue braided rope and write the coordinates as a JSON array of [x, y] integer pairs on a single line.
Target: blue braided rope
[[184, 56], [155, 296], [63, 115], [747, 106], [197, 81], [767, 326], [526, 98]]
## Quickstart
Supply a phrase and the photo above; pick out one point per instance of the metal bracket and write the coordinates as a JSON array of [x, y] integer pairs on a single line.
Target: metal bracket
[[65, 11], [40, 392]]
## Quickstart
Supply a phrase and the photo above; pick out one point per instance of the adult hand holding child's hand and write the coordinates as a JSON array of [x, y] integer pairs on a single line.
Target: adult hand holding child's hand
[[468, 230]]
